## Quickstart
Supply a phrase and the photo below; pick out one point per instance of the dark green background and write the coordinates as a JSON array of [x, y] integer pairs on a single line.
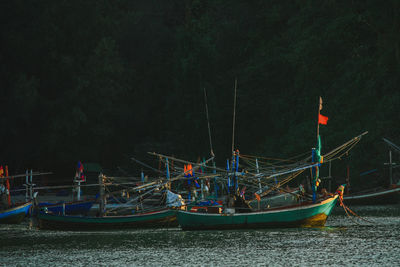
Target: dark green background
[[99, 81]]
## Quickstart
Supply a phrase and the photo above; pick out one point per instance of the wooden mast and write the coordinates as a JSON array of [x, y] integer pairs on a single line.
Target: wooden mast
[[211, 146], [234, 115], [319, 112], [314, 157], [233, 137], [208, 123]]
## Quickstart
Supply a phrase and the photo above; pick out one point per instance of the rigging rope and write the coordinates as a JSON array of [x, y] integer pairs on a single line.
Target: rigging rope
[[346, 209]]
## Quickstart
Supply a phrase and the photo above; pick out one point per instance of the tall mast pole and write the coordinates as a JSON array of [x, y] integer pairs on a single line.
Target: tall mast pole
[[391, 167], [319, 111], [208, 123], [234, 116], [233, 138], [314, 158]]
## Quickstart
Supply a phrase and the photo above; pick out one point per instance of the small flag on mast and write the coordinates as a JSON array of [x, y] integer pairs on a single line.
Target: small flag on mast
[[79, 172], [322, 119]]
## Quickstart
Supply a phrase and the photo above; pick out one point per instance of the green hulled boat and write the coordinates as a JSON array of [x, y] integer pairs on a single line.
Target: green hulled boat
[[302, 215], [158, 218]]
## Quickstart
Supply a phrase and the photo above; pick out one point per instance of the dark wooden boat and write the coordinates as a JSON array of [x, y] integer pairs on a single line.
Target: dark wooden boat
[[16, 214], [378, 197], [157, 218]]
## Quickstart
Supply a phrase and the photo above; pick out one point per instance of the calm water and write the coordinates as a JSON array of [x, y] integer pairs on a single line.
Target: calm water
[[341, 242]]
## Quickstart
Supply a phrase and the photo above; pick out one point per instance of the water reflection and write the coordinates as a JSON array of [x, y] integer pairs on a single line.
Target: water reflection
[[341, 242]]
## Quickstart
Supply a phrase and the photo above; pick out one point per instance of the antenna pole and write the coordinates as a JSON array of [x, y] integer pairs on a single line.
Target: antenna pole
[[234, 116], [319, 111]]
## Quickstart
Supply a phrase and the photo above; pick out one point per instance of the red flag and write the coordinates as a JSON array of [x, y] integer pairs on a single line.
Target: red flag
[[322, 119]]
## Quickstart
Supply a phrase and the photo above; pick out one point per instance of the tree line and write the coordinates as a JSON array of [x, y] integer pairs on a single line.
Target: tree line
[[101, 80]]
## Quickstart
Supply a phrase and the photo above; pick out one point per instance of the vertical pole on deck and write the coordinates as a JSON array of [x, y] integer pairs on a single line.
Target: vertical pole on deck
[[215, 182], [234, 118], [26, 185], [233, 133], [314, 178], [142, 176], [258, 172], [168, 185], [202, 189], [79, 191], [101, 192], [8, 187], [391, 168], [31, 186], [330, 176], [237, 170], [167, 168], [227, 170]]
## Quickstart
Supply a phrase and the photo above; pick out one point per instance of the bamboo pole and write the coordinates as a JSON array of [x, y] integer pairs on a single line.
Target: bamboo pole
[[25, 175]]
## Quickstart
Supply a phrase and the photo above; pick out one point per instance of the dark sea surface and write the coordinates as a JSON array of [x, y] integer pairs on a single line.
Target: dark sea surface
[[343, 242]]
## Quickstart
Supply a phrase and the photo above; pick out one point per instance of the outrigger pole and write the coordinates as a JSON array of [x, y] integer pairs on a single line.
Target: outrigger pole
[[24, 175]]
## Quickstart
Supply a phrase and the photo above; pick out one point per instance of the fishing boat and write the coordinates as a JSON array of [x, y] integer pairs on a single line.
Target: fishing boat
[[380, 196], [126, 216], [11, 213], [14, 215], [157, 218], [303, 215], [75, 207], [310, 211]]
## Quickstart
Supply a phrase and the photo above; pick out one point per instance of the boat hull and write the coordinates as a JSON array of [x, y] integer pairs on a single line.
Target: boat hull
[[70, 208], [161, 218], [383, 197], [15, 215], [310, 215]]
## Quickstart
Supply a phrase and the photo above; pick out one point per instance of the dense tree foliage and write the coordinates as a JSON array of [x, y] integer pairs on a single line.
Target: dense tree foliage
[[100, 80]]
